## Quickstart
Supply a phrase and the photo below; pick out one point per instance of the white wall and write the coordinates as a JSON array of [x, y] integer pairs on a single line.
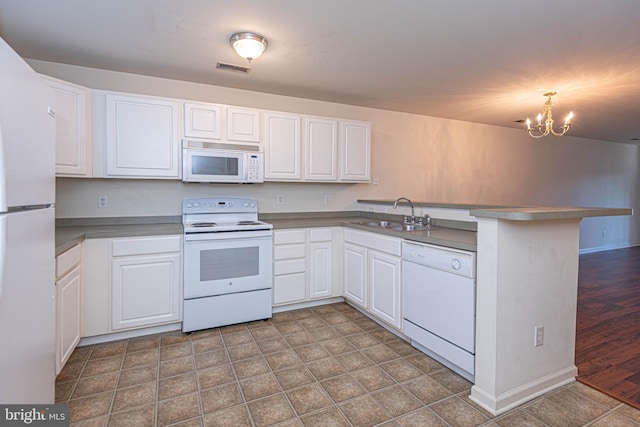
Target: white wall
[[427, 159]]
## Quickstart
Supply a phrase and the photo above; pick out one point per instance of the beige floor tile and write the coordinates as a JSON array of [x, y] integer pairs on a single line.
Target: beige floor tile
[[273, 345], [260, 386], [312, 323], [108, 349], [364, 411], [308, 398], [237, 338], [143, 343], [427, 389], [142, 416], [138, 375], [267, 332], [211, 358], [178, 409], [615, 420], [221, 397], [80, 354], [519, 418], [207, 344], [237, 416], [309, 353], [91, 422], [63, 390], [96, 384], [348, 328], [354, 360], [451, 380], [380, 353], [330, 417], [140, 358], [299, 339], [342, 388], [215, 376], [424, 363], [423, 417], [243, 351], [566, 408], [103, 365], [174, 351], [338, 346], [180, 365], [173, 337], [136, 395], [250, 367], [396, 400], [294, 377], [175, 386], [90, 407], [324, 334], [288, 328], [457, 413], [401, 370], [325, 368], [282, 359], [271, 410], [373, 378], [362, 340]]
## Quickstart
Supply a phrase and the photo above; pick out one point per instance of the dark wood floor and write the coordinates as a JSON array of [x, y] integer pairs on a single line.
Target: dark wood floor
[[608, 323]]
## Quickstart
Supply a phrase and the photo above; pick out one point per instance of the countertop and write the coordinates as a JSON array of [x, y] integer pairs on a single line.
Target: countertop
[[517, 213], [69, 232]]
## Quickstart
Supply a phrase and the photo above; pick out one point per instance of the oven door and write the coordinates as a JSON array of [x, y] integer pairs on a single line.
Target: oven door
[[227, 262]]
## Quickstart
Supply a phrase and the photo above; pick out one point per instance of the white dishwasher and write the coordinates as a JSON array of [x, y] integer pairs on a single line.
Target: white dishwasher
[[439, 298]]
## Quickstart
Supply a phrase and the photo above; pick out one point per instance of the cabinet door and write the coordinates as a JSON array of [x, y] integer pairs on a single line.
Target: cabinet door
[[385, 287], [282, 147], [320, 271], [202, 120], [289, 288], [243, 125], [145, 290], [321, 149], [355, 274], [96, 272], [142, 137], [72, 142], [355, 151], [68, 319]]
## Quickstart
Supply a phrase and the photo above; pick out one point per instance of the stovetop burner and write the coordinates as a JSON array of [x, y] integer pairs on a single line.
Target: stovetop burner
[[248, 223], [204, 224]]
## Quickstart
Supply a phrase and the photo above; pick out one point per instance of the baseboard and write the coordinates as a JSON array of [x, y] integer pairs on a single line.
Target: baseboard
[[98, 339], [504, 402], [306, 304], [606, 248]]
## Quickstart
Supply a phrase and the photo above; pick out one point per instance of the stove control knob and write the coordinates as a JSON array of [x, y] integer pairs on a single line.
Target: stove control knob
[[246, 204], [196, 205], [456, 264], [188, 205], [230, 204]]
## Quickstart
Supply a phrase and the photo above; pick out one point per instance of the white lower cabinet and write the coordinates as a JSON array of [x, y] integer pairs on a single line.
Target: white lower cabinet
[[68, 304], [305, 266], [132, 283], [373, 273]]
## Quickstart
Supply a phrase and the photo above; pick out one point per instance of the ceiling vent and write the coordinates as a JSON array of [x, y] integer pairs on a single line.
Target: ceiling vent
[[231, 67]]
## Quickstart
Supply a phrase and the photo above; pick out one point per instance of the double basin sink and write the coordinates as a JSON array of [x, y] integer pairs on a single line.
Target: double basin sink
[[398, 226]]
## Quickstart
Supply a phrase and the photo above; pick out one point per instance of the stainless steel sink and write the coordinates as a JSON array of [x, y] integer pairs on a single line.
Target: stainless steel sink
[[379, 223], [409, 227]]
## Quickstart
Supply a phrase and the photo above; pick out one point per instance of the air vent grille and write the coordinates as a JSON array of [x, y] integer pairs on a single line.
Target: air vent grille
[[231, 67]]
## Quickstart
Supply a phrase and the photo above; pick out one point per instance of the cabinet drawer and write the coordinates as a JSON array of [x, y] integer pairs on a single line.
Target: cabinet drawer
[[289, 266], [375, 241], [288, 252], [68, 259], [288, 237], [146, 245], [320, 235]]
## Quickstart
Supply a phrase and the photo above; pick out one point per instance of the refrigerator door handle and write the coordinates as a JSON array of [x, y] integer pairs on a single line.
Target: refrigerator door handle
[[3, 248]]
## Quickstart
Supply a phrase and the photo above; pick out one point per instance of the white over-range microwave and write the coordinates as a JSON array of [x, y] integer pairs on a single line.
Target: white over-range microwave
[[221, 163]]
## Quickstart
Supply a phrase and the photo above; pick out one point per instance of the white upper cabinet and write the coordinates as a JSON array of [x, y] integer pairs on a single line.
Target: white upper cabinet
[[355, 151], [202, 120], [320, 149], [243, 125], [142, 137], [73, 148], [282, 147]]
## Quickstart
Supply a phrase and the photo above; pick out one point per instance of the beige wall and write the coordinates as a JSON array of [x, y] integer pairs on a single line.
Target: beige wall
[[424, 158]]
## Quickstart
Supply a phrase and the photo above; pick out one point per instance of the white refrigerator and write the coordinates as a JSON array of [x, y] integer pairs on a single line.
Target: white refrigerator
[[27, 226]]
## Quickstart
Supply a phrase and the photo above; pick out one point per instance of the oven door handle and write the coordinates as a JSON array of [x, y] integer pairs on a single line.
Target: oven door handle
[[227, 235]]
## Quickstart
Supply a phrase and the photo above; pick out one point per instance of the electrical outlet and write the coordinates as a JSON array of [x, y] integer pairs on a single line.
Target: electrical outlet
[[280, 199], [103, 202], [538, 332], [327, 199]]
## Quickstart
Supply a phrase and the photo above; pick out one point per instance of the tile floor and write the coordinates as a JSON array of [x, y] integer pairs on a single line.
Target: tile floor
[[322, 366]]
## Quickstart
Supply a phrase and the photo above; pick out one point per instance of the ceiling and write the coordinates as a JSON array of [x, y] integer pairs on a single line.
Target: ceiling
[[479, 61]]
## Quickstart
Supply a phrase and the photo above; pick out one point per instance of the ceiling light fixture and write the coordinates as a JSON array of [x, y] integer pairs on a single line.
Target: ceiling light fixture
[[539, 131], [248, 45]]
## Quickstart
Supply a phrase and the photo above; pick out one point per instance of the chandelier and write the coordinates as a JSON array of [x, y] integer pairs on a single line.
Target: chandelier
[[543, 130]]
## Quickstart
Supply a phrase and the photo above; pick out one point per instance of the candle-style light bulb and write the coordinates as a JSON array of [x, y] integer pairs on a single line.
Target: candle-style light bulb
[[528, 123], [567, 121], [539, 119]]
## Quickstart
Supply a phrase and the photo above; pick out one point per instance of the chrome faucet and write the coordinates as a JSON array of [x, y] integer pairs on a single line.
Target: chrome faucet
[[413, 217]]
